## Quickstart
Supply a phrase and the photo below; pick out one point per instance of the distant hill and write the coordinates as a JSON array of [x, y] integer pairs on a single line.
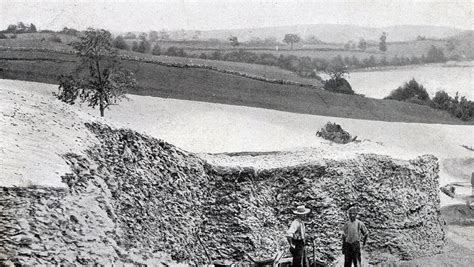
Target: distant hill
[[334, 33]]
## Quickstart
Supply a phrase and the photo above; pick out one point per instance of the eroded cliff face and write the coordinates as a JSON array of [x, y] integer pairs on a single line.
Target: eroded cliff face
[[136, 199]]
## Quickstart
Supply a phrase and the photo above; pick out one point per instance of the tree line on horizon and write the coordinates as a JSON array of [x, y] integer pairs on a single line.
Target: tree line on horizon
[[303, 66]]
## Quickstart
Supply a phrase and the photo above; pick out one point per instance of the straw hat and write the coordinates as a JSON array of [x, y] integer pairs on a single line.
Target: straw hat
[[301, 210]]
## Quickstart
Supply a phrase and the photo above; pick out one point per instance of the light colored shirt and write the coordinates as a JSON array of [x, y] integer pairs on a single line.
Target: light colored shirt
[[296, 230], [353, 231]]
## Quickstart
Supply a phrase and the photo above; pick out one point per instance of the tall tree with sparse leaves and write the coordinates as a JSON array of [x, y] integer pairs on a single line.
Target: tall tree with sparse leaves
[[98, 79]]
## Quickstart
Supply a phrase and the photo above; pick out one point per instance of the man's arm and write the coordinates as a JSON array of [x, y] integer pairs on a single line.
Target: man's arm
[[343, 238], [290, 241], [365, 233], [291, 232]]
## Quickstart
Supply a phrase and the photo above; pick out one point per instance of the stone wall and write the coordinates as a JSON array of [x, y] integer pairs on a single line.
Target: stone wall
[[133, 198]]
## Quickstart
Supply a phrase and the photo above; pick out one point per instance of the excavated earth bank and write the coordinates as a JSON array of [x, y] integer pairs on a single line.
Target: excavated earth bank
[[136, 199]]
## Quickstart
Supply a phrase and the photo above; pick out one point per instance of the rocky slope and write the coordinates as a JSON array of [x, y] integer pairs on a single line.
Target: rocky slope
[[131, 198]]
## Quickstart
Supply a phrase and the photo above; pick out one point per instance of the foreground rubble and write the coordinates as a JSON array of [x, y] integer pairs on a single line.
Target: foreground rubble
[[135, 199]]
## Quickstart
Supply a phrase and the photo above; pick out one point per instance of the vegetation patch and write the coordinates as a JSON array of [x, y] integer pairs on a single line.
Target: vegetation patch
[[335, 133], [412, 91]]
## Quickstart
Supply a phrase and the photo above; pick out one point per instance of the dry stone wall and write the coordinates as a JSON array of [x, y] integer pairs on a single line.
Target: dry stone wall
[[136, 199]]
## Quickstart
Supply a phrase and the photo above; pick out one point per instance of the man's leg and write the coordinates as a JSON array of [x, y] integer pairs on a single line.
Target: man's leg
[[298, 255], [348, 255], [347, 260], [356, 256]]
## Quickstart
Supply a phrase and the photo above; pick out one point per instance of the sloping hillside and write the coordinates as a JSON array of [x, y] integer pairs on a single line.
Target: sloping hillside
[[203, 84]]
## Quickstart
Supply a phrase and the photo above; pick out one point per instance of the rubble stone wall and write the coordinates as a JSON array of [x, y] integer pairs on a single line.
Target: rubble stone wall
[[133, 198]]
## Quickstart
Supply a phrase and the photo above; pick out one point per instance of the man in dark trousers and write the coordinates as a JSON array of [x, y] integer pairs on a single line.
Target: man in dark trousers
[[296, 235], [354, 233]]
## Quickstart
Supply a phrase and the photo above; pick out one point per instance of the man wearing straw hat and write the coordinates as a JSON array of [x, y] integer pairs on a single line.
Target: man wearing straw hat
[[296, 235], [353, 233]]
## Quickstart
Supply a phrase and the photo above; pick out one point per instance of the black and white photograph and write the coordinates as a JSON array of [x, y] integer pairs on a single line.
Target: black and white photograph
[[237, 133]]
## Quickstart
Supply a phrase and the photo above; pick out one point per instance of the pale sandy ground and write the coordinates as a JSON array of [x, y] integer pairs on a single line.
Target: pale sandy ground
[[34, 132], [36, 129], [214, 128]]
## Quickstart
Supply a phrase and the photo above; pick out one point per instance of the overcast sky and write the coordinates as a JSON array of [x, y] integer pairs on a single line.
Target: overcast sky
[[231, 14]]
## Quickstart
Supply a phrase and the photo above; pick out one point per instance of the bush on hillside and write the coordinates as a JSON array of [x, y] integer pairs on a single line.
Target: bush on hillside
[[336, 69], [135, 46], [338, 85], [120, 43], [13, 36], [174, 51], [442, 100], [412, 91], [144, 46], [462, 108], [156, 50], [459, 107], [3, 36]]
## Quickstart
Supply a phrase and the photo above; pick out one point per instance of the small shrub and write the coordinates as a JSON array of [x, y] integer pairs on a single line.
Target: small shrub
[[174, 51], [144, 46], [135, 46], [441, 100], [13, 36], [338, 85], [409, 91], [156, 50], [3, 36], [120, 43]]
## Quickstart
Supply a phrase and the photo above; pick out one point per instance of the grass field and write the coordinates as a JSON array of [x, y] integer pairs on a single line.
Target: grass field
[[38, 40], [212, 86], [270, 72], [462, 49], [329, 51]]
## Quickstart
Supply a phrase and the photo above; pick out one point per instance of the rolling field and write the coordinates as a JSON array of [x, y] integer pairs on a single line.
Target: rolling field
[[35, 40], [270, 72], [216, 87], [329, 51]]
